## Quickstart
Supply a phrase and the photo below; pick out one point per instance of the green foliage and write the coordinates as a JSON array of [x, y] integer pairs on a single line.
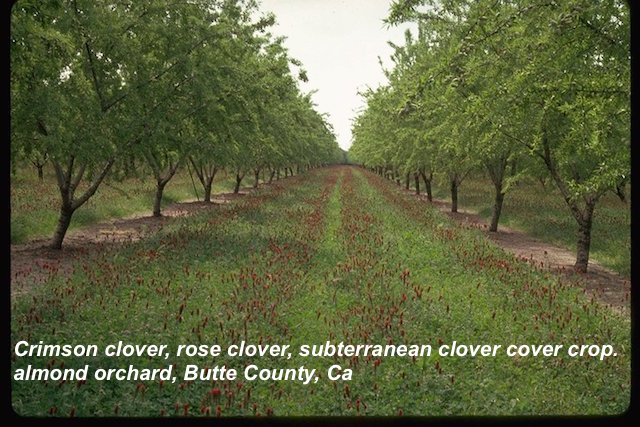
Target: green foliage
[[542, 86], [162, 81]]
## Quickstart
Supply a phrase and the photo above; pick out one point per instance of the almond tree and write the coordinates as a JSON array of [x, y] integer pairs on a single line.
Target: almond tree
[[549, 80], [77, 75]]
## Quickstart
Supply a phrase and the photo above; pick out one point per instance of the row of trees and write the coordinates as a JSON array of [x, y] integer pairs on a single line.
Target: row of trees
[[515, 87], [116, 87]]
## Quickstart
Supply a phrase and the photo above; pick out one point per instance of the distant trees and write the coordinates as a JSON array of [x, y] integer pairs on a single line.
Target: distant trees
[[155, 83], [512, 87]]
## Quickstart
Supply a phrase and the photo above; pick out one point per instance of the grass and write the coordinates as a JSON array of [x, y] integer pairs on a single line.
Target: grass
[[35, 204], [542, 213], [336, 254]]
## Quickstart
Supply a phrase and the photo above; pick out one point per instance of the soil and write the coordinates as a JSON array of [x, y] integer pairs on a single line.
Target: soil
[[32, 261], [609, 287]]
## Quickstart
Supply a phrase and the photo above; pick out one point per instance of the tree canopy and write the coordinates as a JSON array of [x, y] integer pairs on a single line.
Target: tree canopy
[[158, 84], [543, 85]]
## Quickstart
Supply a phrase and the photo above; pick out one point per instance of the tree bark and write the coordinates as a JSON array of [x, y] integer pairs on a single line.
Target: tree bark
[[406, 185], [271, 175], [64, 219], [157, 200], [416, 178], [239, 177], [207, 191], [67, 184], [584, 217], [584, 238], [162, 177], [620, 191], [39, 164], [497, 209], [205, 174], [427, 184], [256, 176], [454, 195], [497, 169]]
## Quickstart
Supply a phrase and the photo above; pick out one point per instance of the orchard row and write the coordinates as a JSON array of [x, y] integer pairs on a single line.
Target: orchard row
[[515, 89], [144, 88], [340, 255]]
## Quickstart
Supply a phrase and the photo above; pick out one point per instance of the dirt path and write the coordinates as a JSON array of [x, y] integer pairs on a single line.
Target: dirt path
[[32, 262], [610, 287]]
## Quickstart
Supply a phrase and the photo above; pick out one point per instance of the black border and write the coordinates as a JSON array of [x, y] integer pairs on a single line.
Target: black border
[[12, 418]]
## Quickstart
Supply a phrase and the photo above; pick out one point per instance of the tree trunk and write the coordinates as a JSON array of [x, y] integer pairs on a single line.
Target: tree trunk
[[416, 178], [584, 238], [286, 172], [497, 208], [454, 195], [584, 218], [297, 169], [620, 191], [291, 171], [256, 175], [157, 200], [206, 176], [67, 184], [427, 184], [236, 189], [278, 174], [496, 170], [40, 172], [64, 219], [406, 186], [271, 175], [207, 189]]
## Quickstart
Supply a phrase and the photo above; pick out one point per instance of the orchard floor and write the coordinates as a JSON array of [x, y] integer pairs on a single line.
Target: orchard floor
[[31, 261], [337, 254], [608, 286]]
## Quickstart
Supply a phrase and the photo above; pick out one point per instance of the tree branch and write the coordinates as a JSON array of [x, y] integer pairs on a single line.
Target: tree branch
[[94, 185]]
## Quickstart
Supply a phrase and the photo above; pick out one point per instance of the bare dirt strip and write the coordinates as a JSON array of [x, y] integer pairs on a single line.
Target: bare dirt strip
[[32, 262], [610, 287]]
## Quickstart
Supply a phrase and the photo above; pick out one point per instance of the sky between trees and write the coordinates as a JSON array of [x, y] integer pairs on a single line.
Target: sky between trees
[[339, 42]]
